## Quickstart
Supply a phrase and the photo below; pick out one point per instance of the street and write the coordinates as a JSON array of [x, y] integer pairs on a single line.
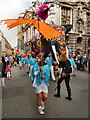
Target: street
[[19, 99]]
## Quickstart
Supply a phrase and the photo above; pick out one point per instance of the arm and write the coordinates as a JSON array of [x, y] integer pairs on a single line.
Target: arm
[[60, 73]]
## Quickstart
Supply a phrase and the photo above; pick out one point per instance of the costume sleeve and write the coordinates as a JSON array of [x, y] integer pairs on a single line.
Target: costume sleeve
[[47, 73], [32, 74]]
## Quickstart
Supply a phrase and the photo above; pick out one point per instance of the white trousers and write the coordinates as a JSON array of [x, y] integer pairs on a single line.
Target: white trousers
[[8, 74], [2, 81], [52, 73], [31, 67]]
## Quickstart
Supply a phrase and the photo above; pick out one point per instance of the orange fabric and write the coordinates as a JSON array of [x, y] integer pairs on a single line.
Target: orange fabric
[[46, 30], [15, 22]]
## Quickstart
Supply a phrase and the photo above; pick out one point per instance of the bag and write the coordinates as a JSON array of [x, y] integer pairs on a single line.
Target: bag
[[64, 74], [67, 69]]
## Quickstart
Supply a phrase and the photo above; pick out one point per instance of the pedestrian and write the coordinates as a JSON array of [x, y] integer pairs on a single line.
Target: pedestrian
[[64, 74], [20, 62], [2, 72], [73, 66], [27, 63], [49, 61], [84, 63], [8, 70], [40, 76], [32, 62]]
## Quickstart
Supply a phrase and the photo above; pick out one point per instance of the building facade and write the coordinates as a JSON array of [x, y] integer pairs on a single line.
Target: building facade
[[76, 13], [5, 47], [2, 43]]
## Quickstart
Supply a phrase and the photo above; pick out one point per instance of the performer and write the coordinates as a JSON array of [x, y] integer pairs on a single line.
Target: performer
[[49, 61], [32, 62], [27, 63], [40, 76], [73, 66]]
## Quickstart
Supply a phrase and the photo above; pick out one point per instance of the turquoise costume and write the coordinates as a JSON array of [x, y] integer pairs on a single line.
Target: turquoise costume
[[72, 62], [46, 72], [32, 61], [49, 61], [26, 60]]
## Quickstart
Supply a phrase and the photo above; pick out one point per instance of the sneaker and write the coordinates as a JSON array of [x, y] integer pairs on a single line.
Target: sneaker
[[40, 110], [42, 105]]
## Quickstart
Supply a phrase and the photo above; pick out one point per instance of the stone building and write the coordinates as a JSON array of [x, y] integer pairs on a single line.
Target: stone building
[[76, 13], [8, 48], [2, 43], [5, 47]]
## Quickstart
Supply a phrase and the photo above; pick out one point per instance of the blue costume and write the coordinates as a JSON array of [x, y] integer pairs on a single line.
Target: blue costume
[[32, 61], [46, 72], [49, 61], [22, 60], [26, 60], [72, 62]]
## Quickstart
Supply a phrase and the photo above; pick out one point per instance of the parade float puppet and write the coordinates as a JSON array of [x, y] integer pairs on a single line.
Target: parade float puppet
[[50, 35], [38, 42]]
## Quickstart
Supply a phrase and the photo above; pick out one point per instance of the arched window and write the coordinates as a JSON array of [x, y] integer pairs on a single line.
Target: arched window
[[79, 40]]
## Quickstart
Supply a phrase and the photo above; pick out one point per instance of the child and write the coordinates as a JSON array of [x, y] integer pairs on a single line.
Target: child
[[8, 71]]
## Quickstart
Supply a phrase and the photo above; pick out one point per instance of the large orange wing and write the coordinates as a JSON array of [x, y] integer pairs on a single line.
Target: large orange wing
[[11, 23], [46, 30]]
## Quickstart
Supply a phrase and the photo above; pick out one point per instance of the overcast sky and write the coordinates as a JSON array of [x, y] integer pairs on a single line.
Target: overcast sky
[[10, 9]]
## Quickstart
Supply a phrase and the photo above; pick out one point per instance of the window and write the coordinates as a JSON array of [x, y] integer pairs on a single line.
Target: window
[[89, 42], [78, 26], [52, 10], [79, 40], [88, 28], [78, 12], [66, 12]]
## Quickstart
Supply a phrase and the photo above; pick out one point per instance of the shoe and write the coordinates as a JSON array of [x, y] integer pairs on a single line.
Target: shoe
[[40, 110], [9, 78], [74, 75], [42, 105], [56, 95], [54, 80], [68, 98]]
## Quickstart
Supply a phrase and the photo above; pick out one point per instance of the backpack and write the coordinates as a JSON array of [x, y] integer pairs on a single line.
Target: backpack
[[67, 68]]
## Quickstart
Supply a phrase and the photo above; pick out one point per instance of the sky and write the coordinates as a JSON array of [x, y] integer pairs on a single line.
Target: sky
[[10, 9]]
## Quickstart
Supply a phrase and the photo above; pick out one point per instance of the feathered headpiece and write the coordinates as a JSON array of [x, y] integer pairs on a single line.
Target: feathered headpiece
[[43, 11]]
